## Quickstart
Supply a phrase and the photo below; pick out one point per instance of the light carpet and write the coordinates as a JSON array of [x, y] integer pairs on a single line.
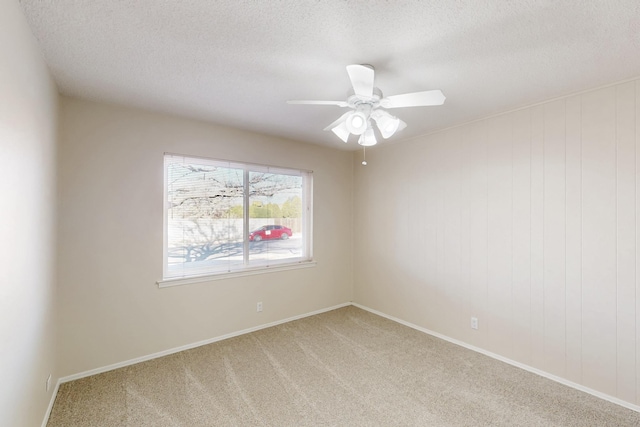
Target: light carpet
[[346, 367]]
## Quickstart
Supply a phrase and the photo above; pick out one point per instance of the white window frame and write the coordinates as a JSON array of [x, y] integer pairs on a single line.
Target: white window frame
[[247, 267]]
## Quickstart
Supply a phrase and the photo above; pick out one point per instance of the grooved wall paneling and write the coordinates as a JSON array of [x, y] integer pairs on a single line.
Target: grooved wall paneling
[[528, 221], [554, 238], [599, 240], [626, 240], [573, 242]]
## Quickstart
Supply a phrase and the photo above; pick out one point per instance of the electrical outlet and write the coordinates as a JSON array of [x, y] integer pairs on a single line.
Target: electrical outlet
[[259, 307], [474, 323], [48, 383]]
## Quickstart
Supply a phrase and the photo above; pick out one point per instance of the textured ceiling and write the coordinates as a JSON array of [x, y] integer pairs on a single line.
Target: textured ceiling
[[237, 62]]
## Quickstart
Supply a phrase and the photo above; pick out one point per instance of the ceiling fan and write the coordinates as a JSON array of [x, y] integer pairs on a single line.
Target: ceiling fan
[[367, 102]]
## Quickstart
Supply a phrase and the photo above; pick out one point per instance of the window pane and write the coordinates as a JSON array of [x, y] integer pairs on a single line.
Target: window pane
[[223, 216], [204, 217], [275, 216]]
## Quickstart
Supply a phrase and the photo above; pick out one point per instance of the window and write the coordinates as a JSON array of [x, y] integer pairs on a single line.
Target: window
[[226, 217]]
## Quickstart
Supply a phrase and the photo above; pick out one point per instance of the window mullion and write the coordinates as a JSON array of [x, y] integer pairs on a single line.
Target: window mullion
[[245, 216]]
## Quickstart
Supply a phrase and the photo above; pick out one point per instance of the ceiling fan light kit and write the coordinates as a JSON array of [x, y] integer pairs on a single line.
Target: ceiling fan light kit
[[365, 104]]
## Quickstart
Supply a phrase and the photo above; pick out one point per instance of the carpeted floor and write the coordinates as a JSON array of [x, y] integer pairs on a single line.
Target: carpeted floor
[[347, 367]]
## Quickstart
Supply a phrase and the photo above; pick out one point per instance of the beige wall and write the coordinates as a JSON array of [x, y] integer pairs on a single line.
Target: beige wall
[[28, 105], [526, 221], [110, 251]]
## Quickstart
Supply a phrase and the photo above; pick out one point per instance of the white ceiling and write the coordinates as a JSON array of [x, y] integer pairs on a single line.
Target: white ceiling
[[236, 62]]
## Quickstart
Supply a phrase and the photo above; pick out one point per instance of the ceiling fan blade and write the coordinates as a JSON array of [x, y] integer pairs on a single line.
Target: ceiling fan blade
[[338, 103], [414, 99], [361, 78]]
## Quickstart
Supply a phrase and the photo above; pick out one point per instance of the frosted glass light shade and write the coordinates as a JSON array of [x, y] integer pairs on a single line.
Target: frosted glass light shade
[[368, 138], [387, 123], [357, 123], [341, 131]]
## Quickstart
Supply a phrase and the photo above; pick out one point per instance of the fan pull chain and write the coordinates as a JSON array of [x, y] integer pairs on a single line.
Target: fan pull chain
[[364, 156]]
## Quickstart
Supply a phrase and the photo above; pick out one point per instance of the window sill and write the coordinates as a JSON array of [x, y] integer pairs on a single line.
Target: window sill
[[178, 281]]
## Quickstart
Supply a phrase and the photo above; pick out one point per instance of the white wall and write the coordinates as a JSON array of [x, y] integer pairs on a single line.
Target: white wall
[[527, 221], [27, 223], [110, 251]]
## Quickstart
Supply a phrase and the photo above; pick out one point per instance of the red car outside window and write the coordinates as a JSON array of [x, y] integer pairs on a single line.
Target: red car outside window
[[270, 232]]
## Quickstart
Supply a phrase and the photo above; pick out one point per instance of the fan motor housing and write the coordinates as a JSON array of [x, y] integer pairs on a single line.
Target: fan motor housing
[[355, 101]]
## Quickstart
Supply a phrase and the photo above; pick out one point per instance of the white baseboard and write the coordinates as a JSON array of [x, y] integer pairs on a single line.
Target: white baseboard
[[528, 368], [193, 345], [544, 374], [175, 350], [51, 402]]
